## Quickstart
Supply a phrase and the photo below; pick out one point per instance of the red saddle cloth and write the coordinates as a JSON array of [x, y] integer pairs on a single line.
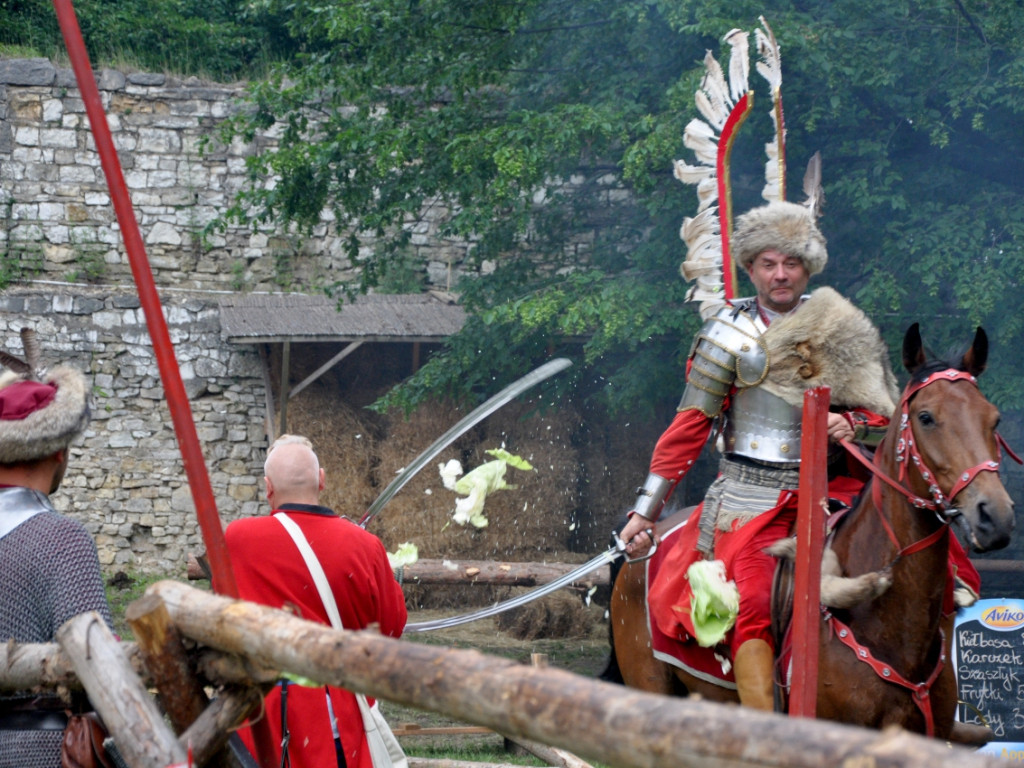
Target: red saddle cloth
[[705, 663], [713, 664]]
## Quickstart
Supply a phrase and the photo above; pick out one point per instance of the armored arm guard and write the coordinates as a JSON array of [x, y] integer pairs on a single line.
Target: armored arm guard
[[728, 350], [651, 496]]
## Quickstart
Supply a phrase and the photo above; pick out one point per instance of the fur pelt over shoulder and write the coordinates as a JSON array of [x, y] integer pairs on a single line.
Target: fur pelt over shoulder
[[829, 342]]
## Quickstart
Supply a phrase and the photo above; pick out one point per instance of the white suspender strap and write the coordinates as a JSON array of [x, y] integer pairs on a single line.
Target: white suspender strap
[[315, 569]]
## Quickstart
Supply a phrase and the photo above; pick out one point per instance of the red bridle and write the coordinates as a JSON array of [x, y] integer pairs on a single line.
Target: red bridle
[[907, 453], [906, 448]]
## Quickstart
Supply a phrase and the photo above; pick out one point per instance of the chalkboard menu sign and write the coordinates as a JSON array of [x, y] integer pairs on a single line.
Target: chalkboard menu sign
[[988, 654]]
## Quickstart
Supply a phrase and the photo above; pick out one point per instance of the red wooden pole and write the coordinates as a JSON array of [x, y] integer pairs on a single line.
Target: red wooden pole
[[810, 538], [223, 580]]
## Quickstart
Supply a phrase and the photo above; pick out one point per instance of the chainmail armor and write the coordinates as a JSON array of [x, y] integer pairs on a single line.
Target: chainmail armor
[[49, 572]]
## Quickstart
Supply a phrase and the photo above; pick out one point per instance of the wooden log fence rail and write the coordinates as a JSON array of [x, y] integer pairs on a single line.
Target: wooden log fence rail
[[597, 721]]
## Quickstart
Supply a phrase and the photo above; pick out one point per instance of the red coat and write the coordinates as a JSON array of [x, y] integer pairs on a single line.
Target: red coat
[[269, 570]]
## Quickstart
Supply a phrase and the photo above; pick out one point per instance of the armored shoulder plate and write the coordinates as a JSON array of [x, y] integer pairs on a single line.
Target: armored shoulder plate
[[728, 350]]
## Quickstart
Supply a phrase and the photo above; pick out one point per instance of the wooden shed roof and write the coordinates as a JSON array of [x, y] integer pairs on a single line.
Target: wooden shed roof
[[275, 318]]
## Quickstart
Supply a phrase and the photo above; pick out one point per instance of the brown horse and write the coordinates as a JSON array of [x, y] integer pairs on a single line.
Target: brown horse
[[945, 430]]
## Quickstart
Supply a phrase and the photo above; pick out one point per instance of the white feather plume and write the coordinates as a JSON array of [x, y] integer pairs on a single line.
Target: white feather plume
[[772, 191], [770, 68], [715, 100], [714, 93], [691, 174], [739, 63], [813, 189], [704, 148], [770, 65]]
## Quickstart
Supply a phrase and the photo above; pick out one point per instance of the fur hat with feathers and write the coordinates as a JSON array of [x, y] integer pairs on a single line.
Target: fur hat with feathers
[[49, 424], [785, 227]]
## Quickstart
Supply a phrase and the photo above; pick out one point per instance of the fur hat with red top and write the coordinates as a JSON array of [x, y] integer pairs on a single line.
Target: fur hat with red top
[[40, 412]]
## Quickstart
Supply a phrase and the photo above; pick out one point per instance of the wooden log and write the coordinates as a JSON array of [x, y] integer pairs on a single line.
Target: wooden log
[[559, 758], [182, 696], [414, 729], [230, 668], [447, 572], [496, 573], [118, 694], [207, 737], [44, 666], [596, 720]]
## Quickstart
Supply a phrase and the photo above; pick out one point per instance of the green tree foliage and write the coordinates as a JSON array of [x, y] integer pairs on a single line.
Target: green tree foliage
[[492, 108], [223, 39], [548, 128]]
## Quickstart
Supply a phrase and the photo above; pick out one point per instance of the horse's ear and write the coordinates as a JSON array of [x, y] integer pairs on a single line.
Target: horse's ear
[[913, 350], [976, 357]]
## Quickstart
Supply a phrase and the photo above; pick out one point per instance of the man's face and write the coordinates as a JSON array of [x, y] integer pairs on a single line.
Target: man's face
[[780, 280]]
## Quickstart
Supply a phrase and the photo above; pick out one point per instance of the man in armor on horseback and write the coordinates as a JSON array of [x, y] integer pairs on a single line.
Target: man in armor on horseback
[[747, 371]]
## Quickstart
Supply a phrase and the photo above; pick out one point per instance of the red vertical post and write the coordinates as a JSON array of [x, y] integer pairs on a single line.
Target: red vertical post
[[223, 578], [810, 539]]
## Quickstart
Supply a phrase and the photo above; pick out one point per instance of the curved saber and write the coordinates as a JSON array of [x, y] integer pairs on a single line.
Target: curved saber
[[483, 411], [613, 553]]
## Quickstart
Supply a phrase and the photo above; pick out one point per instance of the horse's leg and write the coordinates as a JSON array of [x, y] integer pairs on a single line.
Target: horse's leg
[[631, 642]]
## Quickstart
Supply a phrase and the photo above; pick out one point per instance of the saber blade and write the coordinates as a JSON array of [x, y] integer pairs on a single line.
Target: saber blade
[[610, 556], [483, 411]]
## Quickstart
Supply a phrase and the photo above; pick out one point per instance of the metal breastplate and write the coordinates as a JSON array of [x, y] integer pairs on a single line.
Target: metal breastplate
[[762, 426]]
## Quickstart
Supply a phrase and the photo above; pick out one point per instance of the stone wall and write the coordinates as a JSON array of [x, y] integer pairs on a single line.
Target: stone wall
[[126, 481], [68, 276], [56, 217]]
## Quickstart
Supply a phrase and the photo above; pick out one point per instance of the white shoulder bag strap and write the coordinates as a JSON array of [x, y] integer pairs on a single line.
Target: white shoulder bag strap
[[315, 569], [385, 750]]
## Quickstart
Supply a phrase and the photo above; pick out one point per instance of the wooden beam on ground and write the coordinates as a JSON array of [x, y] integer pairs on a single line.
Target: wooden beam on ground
[[449, 572], [423, 762], [118, 695], [496, 573], [414, 729], [596, 720]]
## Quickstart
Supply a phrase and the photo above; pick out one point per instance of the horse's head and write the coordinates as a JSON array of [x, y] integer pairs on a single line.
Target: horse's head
[[954, 432]]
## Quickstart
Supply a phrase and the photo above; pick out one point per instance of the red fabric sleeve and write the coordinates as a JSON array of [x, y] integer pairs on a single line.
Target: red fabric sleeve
[[680, 445]]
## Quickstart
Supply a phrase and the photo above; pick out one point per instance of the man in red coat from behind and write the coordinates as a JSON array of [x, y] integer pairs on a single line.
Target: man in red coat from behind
[[324, 727]]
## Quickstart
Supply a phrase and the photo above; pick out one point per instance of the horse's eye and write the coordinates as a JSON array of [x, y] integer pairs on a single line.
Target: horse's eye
[[925, 418]]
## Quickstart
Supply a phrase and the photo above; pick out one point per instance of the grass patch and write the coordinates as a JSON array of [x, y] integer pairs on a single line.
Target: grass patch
[[125, 587]]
